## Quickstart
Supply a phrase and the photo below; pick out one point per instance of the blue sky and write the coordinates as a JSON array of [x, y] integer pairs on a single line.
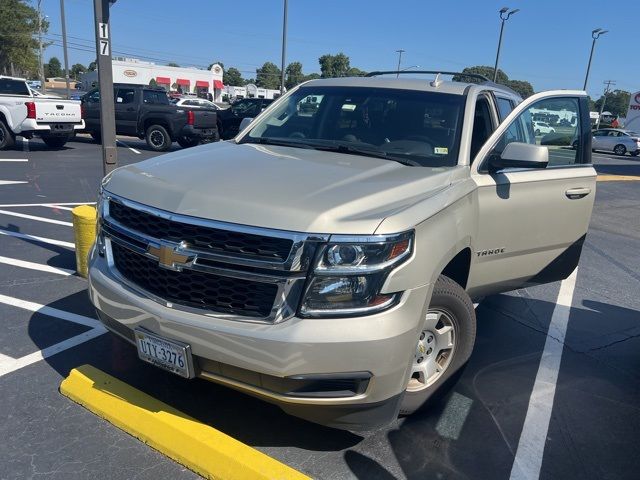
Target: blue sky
[[546, 43]]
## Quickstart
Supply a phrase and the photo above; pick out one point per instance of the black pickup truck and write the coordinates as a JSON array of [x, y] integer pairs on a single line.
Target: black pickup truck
[[229, 119], [145, 112]]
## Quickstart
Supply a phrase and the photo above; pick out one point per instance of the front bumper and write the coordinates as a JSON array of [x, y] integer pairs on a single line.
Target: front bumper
[[267, 360]]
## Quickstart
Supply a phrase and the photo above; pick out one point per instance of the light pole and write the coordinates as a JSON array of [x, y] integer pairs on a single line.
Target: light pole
[[64, 48], [595, 34], [400, 52], [41, 60], [505, 13], [284, 45]]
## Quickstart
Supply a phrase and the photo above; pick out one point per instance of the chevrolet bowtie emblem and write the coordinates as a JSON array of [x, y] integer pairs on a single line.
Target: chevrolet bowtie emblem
[[169, 257]]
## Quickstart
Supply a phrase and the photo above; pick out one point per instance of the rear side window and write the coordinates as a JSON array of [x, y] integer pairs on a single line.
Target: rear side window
[[153, 97], [504, 107], [13, 87]]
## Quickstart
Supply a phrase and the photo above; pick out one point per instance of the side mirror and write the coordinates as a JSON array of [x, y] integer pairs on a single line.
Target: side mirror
[[245, 123], [521, 155]]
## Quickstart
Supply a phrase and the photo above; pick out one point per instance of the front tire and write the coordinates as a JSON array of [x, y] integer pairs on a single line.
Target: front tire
[[619, 149], [55, 142], [7, 139], [158, 138], [443, 346]]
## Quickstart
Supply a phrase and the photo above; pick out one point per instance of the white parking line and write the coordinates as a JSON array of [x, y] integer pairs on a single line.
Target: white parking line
[[57, 207], [44, 204], [33, 217], [14, 159], [528, 459], [35, 266], [127, 146], [50, 311], [11, 182], [50, 241], [11, 365]]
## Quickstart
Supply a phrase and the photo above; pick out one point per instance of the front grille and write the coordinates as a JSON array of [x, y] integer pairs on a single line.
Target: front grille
[[207, 238], [195, 289]]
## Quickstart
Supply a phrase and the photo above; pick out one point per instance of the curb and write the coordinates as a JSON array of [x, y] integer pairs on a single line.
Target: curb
[[189, 442]]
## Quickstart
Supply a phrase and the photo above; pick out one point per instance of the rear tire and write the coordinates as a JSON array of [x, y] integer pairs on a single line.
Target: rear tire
[[444, 344], [619, 149], [54, 141], [185, 142], [158, 138], [7, 138], [635, 154]]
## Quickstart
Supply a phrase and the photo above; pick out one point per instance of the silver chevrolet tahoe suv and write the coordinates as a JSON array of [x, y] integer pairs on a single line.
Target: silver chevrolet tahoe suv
[[327, 259]]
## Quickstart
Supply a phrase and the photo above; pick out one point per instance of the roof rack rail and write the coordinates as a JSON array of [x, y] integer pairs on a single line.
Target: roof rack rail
[[428, 72]]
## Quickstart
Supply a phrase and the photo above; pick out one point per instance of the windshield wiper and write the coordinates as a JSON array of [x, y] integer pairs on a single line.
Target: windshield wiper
[[276, 141], [349, 149]]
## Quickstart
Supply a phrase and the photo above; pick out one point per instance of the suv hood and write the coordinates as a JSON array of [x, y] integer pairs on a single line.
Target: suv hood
[[277, 187]]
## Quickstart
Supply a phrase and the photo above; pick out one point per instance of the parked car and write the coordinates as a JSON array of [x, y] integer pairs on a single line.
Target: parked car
[[195, 103], [145, 112], [229, 119], [34, 84], [542, 128], [28, 113], [328, 263], [616, 140]]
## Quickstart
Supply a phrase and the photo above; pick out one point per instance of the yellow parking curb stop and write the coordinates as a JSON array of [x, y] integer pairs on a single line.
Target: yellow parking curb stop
[[84, 232], [618, 178], [189, 442]]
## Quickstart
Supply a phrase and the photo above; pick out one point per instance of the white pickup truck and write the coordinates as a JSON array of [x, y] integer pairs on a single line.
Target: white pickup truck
[[23, 113]]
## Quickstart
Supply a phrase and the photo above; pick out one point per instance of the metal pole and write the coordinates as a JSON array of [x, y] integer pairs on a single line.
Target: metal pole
[[64, 47], [495, 68], [105, 81], [586, 77], [400, 52], [284, 45], [41, 59]]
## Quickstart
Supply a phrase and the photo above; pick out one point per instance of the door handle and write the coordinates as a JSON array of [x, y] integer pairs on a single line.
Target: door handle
[[575, 193]]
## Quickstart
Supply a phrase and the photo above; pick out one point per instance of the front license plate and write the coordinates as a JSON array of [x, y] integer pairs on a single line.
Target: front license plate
[[167, 354]]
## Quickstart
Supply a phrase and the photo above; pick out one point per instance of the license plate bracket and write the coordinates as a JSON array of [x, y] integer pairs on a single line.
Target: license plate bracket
[[170, 355]]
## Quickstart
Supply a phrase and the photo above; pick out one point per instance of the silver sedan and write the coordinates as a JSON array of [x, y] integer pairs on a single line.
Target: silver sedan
[[616, 140]]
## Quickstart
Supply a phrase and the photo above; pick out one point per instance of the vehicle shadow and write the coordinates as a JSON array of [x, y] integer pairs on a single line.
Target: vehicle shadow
[[631, 168], [470, 431], [64, 258]]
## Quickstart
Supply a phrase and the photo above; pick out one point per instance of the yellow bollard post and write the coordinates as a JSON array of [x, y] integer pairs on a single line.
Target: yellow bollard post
[[84, 230]]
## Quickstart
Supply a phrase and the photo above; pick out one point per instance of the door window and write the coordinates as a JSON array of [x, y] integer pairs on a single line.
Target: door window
[[559, 137], [13, 87], [505, 107], [125, 95], [154, 97], [600, 133]]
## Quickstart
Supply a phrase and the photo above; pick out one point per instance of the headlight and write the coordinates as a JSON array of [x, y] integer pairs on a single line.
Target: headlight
[[350, 272]]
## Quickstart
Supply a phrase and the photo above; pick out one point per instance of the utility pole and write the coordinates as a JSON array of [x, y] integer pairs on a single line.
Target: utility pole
[[284, 45], [64, 48], [41, 59], [608, 84], [400, 52], [105, 81]]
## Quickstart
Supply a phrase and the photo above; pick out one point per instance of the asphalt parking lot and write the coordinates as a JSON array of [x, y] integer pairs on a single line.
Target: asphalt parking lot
[[48, 328]]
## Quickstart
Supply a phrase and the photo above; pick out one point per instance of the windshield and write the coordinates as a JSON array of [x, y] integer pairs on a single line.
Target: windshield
[[414, 127]]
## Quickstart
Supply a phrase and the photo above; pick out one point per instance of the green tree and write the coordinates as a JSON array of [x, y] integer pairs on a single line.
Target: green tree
[[312, 76], [293, 75], [232, 76], [481, 70], [77, 70], [617, 102], [53, 68], [522, 87], [92, 67], [18, 44], [172, 64], [355, 72], [334, 65], [153, 83], [268, 76]]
